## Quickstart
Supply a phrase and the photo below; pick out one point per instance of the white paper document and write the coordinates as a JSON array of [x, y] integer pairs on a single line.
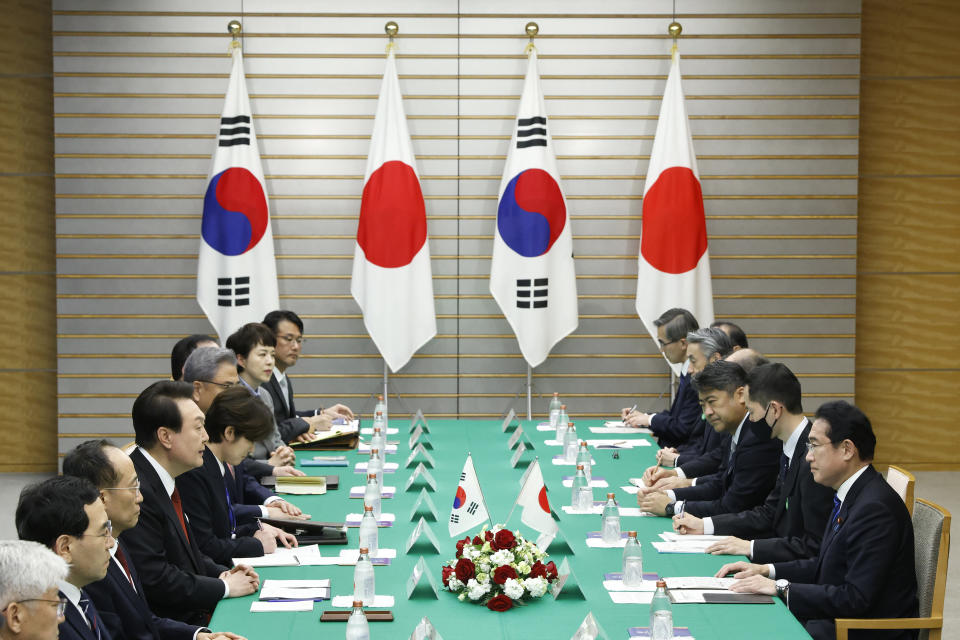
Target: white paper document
[[600, 544], [699, 582], [350, 556], [387, 466], [291, 605], [673, 536], [600, 484], [692, 596], [631, 597], [345, 602], [545, 426], [617, 585], [365, 448], [681, 547], [620, 430], [614, 443]]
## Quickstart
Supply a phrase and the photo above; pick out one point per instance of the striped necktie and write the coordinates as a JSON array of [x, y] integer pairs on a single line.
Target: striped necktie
[[90, 613]]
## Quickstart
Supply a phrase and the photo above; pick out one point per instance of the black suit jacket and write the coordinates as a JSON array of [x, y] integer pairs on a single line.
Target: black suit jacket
[[288, 420], [205, 501], [789, 524], [125, 613], [865, 568], [74, 627], [707, 456], [738, 485], [179, 581], [673, 427]]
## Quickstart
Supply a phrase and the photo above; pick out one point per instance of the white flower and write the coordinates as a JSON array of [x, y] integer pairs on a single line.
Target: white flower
[[483, 577], [513, 589], [462, 597], [523, 567], [484, 567], [453, 584], [536, 586], [504, 556], [475, 590]]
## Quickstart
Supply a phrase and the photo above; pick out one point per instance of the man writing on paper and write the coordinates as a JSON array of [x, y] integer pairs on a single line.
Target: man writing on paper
[[672, 427], [789, 524], [865, 567], [288, 329], [749, 469], [119, 596]]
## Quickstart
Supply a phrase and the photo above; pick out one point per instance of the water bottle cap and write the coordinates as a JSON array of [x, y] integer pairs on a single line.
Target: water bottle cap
[[569, 424], [556, 394], [661, 583], [371, 476], [631, 534], [610, 496], [583, 443], [358, 604], [380, 397], [374, 450], [367, 507], [579, 467], [564, 407], [379, 413], [364, 550]]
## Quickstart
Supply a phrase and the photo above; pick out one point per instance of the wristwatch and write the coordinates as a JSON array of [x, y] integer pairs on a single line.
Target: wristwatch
[[668, 510], [783, 588]]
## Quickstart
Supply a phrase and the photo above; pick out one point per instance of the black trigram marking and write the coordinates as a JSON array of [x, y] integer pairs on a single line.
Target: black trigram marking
[[233, 292], [463, 476], [454, 518], [235, 130], [472, 509], [532, 293], [531, 132]]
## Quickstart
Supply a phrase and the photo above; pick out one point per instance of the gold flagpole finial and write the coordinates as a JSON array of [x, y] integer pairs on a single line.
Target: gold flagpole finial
[[532, 30], [391, 29], [674, 29], [234, 28]]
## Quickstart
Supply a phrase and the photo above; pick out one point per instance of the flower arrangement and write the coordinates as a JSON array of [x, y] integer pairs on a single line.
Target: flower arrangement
[[498, 568]]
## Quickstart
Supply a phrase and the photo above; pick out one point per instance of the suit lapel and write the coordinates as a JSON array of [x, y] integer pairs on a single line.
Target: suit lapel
[[291, 409], [277, 393], [73, 618], [146, 472], [836, 525]]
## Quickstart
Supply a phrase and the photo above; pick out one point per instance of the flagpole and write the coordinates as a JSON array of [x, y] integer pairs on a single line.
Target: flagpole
[[386, 397], [536, 460], [529, 391], [477, 476]]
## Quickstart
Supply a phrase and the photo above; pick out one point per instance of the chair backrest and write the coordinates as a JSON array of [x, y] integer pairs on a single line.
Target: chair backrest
[[903, 483], [931, 540]]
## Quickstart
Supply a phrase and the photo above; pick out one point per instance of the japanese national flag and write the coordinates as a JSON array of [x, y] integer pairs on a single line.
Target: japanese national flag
[[532, 275], [535, 508], [469, 509], [674, 263], [392, 281], [236, 270]]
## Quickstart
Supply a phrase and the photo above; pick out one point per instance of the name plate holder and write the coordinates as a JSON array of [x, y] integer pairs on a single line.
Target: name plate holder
[[414, 539], [419, 421], [508, 421], [420, 454], [417, 587], [566, 585], [420, 476], [424, 507]]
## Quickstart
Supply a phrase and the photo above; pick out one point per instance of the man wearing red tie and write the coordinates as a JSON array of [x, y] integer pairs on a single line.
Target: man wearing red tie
[[119, 597], [179, 581]]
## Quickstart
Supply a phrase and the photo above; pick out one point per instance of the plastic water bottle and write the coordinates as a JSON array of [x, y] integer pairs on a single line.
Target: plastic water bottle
[[375, 466], [561, 431], [357, 626], [371, 494], [381, 406], [554, 410], [379, 441], [363, 581], [584, 458], [564, 418], [570, 444], [368, 530], [661, 616], [610, 521], [632, 561], [581, 495]]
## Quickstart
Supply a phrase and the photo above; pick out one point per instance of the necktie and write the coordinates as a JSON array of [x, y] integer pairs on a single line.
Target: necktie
[[122, 557], [733, 448], [784, 466], [230, 513], [90, 613], [836, 511], [178, 507]]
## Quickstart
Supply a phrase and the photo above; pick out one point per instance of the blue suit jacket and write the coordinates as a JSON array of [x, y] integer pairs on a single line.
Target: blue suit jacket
[[125, 613], [865, 568], [74, 627], [673, 427]]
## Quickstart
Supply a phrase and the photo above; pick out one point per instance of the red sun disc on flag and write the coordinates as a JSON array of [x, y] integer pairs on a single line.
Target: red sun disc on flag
[[542, 498], [393, 220], [459, 498], [674, 236]]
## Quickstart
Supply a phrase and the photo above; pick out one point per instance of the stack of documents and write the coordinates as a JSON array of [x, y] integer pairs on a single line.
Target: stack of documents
[[295, 557], [286, 590], [676, 543], [302, 485]]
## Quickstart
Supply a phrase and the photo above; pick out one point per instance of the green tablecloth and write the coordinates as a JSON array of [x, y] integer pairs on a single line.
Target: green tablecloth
[[546, 618]]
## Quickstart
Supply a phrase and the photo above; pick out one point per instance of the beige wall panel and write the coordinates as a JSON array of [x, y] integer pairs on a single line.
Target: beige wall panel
[[910, 38], [912, 428], [900, 316], [29, 309], [910, 126], [27, 243], [30, 419], [26, 124], [25, 37], [909, 224]]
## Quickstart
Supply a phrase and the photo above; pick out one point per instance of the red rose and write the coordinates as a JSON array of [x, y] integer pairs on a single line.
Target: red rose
[[499, 603], [460, 545], [465, 570], [505, 539], [477, 540], [551, 571], [447, 572], [500, 574], [538, 570], [488, 535]]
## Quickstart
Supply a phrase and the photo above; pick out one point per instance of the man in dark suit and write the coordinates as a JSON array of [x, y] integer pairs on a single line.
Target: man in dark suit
[[179, 581], [749, 468], [30, 604], [227, 528], [119, 596], [865, 567], [66, 514], [672, 427], [789, 524], [288, 328]]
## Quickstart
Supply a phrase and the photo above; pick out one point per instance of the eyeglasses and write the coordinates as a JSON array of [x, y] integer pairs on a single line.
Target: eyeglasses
[[134, 488], [811, 446], [61, 604], [222, 385], [105, 534], [666, 344], [291, 338]]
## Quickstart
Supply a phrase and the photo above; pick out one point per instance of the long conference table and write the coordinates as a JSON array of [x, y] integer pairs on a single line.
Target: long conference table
[[545, 618]]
